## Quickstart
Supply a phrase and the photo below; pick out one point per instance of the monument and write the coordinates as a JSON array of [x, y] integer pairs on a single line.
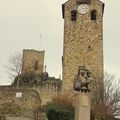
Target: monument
[[82, 94]]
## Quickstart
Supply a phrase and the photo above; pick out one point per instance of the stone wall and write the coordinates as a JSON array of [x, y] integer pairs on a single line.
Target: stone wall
[[30, 59], [83, 41], [19, 102], [48, 90], [25, 101]]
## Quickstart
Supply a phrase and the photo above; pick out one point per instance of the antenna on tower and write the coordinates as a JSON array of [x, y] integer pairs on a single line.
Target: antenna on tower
[[45, 68], [40, 42]]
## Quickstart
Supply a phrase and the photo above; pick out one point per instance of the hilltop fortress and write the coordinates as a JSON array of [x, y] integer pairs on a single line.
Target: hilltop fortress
[[32, 89], [83, 45]]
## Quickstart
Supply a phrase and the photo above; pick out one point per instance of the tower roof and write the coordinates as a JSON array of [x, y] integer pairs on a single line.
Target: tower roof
[[82, 1], [79, 2]]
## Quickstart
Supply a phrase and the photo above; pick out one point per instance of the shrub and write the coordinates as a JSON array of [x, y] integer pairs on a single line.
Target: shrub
[[54, 112], [64, 101], [60, 109]]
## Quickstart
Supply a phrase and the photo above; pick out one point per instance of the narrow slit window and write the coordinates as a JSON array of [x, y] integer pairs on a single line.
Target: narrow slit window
[[89, 49], [36, 65], [93, 15], [73, 15]]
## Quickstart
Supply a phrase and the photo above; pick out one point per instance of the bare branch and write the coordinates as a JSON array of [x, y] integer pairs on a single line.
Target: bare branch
[[14, 68], [106, 96]]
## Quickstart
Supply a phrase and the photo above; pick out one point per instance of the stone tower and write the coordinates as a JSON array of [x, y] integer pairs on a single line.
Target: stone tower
[[33, 60], [83, 38]]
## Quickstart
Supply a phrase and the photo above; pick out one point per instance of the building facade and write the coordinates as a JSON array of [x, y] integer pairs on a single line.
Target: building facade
[[83, 38]]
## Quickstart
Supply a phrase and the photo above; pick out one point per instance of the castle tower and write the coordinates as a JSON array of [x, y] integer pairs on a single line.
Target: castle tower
[[83, 38], [33, 60]]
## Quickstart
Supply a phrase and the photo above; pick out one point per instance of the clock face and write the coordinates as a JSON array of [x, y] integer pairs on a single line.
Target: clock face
[[83, 8]]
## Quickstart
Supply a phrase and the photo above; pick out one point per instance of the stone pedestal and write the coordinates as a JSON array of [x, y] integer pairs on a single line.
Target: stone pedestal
[[82, 106]]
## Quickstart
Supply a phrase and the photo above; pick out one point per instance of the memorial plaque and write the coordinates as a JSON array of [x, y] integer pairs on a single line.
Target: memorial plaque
[[85, 101], [19, 94]]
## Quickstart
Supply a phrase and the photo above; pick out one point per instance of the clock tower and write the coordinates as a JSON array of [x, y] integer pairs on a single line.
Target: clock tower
[[83, 39]]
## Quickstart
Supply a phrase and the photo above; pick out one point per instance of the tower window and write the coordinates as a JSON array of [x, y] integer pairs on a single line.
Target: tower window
[[89, 49], [73, 15], [93, 15], [36, 65]]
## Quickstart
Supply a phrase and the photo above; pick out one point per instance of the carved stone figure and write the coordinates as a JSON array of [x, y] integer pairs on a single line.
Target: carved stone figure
[[82, 80]]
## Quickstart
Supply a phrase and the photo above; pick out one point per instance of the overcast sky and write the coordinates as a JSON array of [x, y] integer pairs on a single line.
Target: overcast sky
[[22, 22]]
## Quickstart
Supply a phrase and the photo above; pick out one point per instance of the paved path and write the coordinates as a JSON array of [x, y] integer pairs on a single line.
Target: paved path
[[18, 118]]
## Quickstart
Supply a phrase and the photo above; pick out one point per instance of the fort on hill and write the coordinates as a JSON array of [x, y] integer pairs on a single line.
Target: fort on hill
[[30, 90]]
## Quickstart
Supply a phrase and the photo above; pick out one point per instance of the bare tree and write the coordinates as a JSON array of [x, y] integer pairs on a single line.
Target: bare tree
[[14, 68], [106, 97]]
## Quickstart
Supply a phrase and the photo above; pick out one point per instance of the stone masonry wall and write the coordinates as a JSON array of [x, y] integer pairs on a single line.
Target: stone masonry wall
[[32, 96], [79, 36], [48, 90], [29, 60], [16, 105]]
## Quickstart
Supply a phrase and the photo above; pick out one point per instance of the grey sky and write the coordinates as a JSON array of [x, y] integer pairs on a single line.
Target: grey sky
[[22, 22]]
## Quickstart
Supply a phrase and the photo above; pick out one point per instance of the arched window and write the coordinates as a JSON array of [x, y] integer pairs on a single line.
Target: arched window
[[36, 65], [73, 15], [93, 15]]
